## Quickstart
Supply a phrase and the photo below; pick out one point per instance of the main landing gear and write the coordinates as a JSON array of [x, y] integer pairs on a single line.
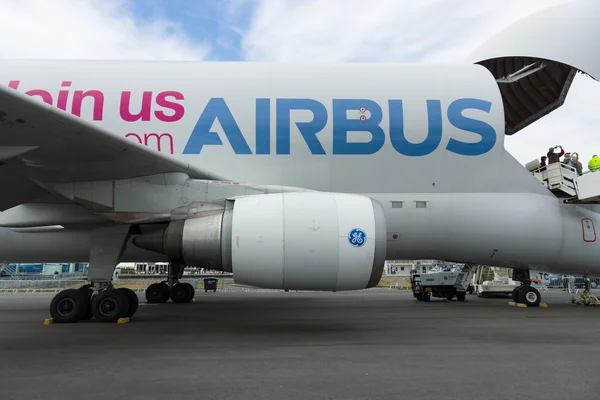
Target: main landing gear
[[99, 299], [525, 294], [108, 305], [178, 292]]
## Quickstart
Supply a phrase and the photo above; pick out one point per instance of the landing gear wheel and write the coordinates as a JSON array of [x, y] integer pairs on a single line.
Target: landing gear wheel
[[70, 305], [515, 295], [426, 297], [110, 305], [530, 296], [157, 293], [132, 300], [461, 296], [191, 291], [88, 292], [181, 293]]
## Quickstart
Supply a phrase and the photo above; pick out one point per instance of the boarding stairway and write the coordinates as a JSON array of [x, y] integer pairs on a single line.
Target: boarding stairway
[[463, 280], [9, 272], [562, 180]]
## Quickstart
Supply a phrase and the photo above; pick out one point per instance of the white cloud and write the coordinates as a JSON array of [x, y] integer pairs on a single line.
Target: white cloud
[[418, 31], [88, 29], [378, 30]]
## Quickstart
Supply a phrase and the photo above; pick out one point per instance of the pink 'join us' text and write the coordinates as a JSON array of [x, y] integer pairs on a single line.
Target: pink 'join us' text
[[165, 106]]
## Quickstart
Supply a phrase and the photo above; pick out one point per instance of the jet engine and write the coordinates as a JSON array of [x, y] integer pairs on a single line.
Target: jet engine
[[298, 241]]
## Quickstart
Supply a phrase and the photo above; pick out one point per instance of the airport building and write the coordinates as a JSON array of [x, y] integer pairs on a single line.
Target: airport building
[[403, 267], [158, 268], [145, 268], [43, 269], [392, 267]]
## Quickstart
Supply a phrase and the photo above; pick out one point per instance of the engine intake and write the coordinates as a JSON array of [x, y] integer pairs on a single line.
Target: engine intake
[[297, 241]]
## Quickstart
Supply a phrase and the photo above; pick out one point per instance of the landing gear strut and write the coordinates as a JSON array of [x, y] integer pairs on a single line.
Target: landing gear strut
[[525, 294], [178, 292]]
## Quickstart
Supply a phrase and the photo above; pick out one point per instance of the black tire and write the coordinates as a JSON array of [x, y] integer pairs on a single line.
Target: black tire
[[426, 297], [461, 296], [110, 305], [515, 295], [530, 296], [69, 306], [180, 293], [133, 300], [88, 292], [157, 293], [191, 291], [419, 296], [165, 292]]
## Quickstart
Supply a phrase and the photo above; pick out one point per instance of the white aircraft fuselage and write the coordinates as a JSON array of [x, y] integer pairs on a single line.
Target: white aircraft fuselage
[[427, 142]]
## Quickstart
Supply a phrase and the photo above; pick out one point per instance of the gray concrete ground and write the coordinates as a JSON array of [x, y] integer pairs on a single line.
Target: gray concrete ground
[[376, 344]]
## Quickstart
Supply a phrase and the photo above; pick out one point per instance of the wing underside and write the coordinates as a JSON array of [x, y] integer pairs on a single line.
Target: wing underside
[[41, 144]]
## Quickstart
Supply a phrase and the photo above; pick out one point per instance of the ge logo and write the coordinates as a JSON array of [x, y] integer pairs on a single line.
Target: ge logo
[[357, 237]]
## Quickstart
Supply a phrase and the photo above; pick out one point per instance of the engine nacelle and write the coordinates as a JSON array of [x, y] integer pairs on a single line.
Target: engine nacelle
[[298, 241]]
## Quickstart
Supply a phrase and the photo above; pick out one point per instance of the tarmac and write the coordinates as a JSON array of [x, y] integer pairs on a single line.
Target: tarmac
[[372, 344]]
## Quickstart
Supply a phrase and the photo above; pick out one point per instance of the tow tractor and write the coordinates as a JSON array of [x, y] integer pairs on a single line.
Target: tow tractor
[[443, 284]]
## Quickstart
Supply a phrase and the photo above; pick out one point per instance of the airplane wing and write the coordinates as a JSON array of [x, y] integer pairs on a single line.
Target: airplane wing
[[41, 143]]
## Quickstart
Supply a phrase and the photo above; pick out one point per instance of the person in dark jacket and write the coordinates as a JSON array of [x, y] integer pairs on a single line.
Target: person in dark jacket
[[555, 157], [543, 161], [574, 162]]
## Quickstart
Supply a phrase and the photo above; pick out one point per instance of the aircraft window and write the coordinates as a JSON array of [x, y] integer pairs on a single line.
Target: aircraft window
[[421, 204], [397, 204]]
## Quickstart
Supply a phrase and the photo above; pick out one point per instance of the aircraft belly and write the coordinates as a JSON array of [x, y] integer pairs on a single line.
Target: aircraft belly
[[59, 246], [504, 230], [496, 229]]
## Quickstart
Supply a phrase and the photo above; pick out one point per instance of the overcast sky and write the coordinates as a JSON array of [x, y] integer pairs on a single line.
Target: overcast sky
[[294, 30]]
